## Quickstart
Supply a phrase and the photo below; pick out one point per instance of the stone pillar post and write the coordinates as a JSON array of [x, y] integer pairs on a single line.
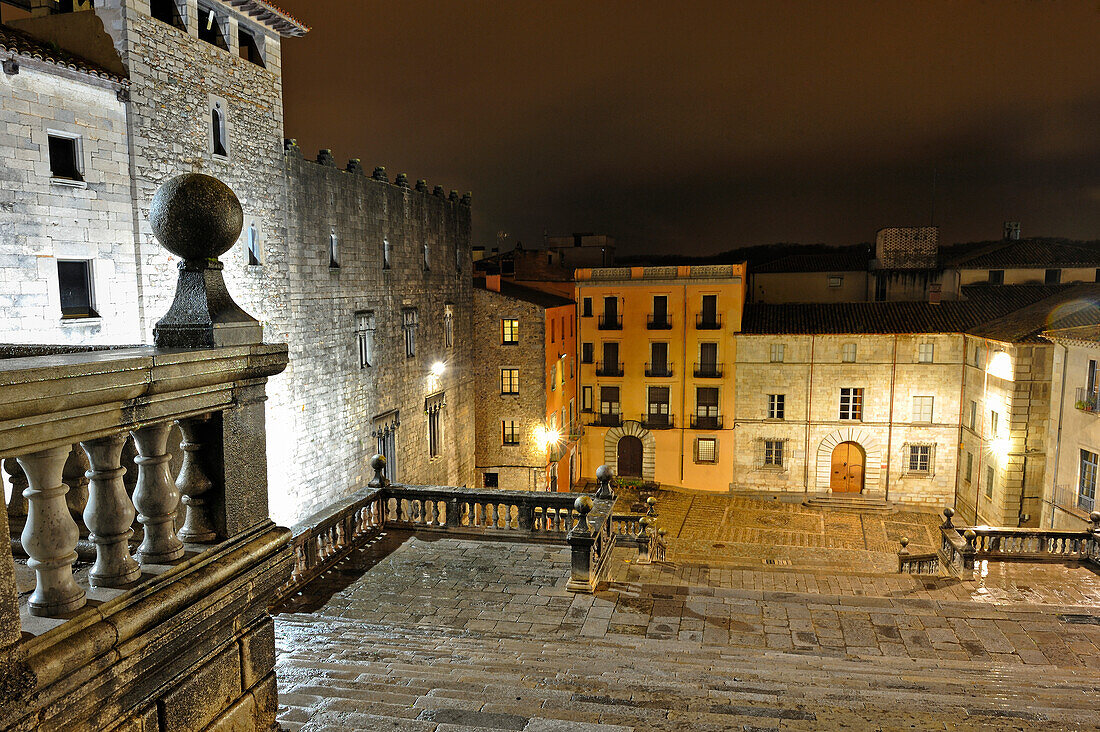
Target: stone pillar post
[[109, 514], [155, 495], [580, 540], [50, 534]]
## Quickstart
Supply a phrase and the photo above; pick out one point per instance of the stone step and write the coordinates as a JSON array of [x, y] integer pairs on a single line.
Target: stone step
[[850, 502]]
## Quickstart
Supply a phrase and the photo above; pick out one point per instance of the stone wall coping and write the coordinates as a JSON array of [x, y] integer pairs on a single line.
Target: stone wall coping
[[48, 401]]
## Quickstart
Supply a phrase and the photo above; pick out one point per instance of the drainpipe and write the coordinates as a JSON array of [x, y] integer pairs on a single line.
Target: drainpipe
[[1058, 439], [809, 399], [890, 424], [958, 449], [683, 381]]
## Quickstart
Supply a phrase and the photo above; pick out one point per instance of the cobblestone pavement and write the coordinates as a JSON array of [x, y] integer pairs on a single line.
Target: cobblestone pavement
[[447, 635]]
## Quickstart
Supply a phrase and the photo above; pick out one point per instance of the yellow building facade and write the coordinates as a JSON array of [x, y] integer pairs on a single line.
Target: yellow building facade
[[656, 348]]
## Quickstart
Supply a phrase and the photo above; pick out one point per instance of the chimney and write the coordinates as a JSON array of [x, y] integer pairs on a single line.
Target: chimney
[[492, 282], [1012, 231], [934, 292]]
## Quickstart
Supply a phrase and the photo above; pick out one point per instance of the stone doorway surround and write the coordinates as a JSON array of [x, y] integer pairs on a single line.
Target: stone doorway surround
[[633, 429], [872, 450]]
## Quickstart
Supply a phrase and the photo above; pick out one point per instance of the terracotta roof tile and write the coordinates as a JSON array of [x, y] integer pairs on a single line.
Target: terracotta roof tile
[[17, 43], [1026, 253]]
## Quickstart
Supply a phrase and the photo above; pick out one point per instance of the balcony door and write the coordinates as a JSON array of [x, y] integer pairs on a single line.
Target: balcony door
[[660, 309], [611, 310], [610, 356], [710, 308], [708, 357], [658, 356]]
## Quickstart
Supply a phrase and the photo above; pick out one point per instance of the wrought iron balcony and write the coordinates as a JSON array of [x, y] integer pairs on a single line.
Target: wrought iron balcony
[[609, 369], [614, 322], [711, 321], [1088, 400], [658, 370], [658, 322], [653, 421], [708, 370], [607, 420], [699, 422]]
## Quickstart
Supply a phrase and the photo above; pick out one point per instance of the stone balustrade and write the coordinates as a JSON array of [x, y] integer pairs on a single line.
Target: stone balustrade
[[168, 628]]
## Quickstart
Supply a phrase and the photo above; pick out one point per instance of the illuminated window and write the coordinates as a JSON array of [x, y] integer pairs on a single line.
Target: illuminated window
[[510, 433], [920, 458], [835, 281], [773, 453], [777, 350], [509, 381], [848, 353], [990, 476], [609, 400], [851, 404], [509, 331], [922, 409], [1086, 481], [586, 399], [706, 450], [924, 352]]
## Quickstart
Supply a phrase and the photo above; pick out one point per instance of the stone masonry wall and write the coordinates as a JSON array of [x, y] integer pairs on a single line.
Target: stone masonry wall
[[320, 430], [516, 465], [43, 220]]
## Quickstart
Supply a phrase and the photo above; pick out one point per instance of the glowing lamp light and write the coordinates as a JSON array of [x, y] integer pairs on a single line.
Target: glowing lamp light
[[438, 368], [547, 437], [1000, 366], [1000, 446]]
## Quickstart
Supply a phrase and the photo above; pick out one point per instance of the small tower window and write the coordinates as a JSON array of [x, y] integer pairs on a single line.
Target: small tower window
[[210, 28], [248, 48], [333, 250], [219, 140], [427, 259], [168, 12], [387, 252], [253, 243], [65, 157], [74, 279]]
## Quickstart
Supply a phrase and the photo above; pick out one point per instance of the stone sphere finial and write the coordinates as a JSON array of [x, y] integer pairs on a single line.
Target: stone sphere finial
[[604, 472], [196, 217], [904, 542], [1094, 517], [948, 512], [583, 505], [378, 462], [378, 465]]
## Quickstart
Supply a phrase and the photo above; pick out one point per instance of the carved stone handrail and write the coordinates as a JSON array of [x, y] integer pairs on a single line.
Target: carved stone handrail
[[506, 514]]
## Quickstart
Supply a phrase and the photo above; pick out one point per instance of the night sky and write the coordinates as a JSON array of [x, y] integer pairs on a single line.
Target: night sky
[[697, 127]]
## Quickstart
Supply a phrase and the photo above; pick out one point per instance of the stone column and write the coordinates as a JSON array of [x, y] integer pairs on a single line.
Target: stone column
[[156, 496], [194, 484], [109, 514], [50, 534]]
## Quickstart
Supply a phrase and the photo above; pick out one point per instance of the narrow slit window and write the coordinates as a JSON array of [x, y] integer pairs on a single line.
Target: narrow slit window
[[333, 250], [253, 243], [218, 138]]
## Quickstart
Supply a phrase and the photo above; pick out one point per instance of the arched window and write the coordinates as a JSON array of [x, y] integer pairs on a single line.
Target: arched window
[[332, 250], [217, 129], [253, 244]]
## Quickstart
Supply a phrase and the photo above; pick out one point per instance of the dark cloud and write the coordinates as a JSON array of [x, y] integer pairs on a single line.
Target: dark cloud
[[703, 126]]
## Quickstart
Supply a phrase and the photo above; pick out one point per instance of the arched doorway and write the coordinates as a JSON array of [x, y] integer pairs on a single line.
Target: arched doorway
[[630, 456], [846, 474]]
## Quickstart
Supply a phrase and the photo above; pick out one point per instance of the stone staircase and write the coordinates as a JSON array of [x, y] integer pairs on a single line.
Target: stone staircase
[[850, 502], [339, 673]]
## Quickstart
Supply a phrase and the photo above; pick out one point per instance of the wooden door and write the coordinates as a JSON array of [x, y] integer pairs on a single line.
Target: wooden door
[[847, 468], [630, 456]]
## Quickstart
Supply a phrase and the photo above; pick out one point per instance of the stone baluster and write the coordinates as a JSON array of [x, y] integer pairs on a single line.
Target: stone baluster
[[17, 479], [109, 514], [155, 496], [194, 485], [50, 534], [604, 477], [494, 514]]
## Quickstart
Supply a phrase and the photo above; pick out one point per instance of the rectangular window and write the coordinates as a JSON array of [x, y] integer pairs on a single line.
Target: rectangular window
[[510, 433], [586, 307], [410, 320], [708, 357], [990, 476], [553, 331], [448, 326], [509, 331], [924, 352], [658, 403], [994, 423], [74, 279], [1052, 276], [777, 354], [776, 406], [973, 415], [851, 404], [588, 353], [572, 414], [706, 450], [210, 28], [773, 453], [509, 381], [553, 379], [609, 400], [969, 467], [435, 432], [710, 309], [610, 365], [922, 408], [65, 157], [706, 406], [1086, 481], [168, 12], [979, 356], [880, 289], [492, 480], [658, 358], [248, 48], [660, 309], [835, 281], [848, 353], [920, 458], [996, 276], [364, 336], [586, 398]]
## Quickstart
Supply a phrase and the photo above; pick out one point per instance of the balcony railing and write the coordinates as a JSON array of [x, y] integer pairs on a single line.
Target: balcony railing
[[708, 321], [614, 368], [658, 322], [658, 370], [1088, 400], [653, 421], [613, 322], [699, 422], [708, 370], [607, 420]]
